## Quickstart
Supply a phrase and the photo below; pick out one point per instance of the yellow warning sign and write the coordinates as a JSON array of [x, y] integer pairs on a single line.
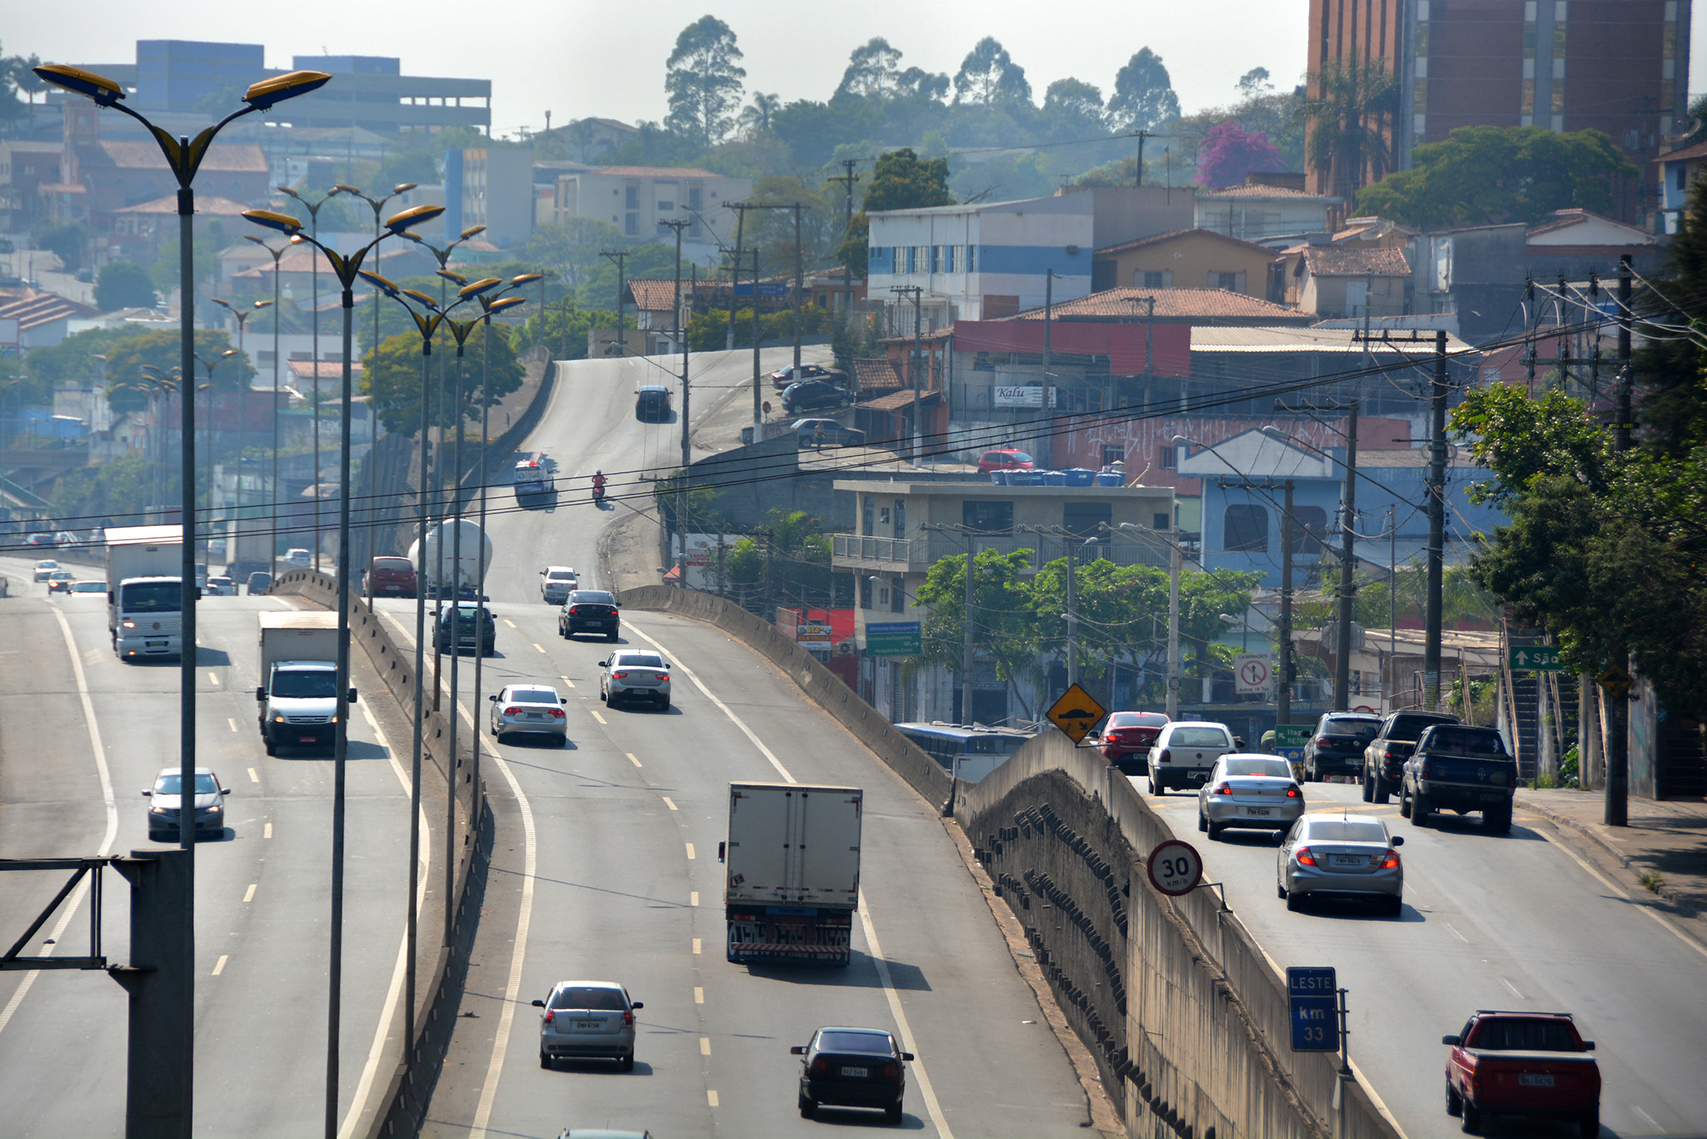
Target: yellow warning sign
[[1615, 681], [1076, 713]]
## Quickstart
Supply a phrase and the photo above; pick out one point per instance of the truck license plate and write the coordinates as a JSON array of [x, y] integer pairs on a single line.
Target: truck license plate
[[1535, 1080], [854, 1073], [1261, 812]]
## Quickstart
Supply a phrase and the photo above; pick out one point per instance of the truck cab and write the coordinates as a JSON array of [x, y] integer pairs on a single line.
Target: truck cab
[[299, 704], [146, 616]]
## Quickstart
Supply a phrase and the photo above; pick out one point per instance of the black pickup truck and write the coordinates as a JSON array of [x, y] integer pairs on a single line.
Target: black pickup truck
[[1384, 756], [1461, 769]]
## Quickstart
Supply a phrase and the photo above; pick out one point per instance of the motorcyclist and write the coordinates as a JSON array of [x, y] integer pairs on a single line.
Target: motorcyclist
[[598, 484]]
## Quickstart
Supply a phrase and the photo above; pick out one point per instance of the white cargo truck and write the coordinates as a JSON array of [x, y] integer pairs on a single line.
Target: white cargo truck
[[436, 562], [298, 695], [145, 613], [791, 871]]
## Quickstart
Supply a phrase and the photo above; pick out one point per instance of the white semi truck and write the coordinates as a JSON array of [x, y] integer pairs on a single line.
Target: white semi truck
[[298, 695], [791, 871], [436, 562], [145, 612]]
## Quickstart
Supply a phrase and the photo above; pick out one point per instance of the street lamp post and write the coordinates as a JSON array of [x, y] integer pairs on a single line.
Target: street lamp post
[[184, 156], [272, 557], [243, 316], [210, 365], [313, 209], [346, 269]]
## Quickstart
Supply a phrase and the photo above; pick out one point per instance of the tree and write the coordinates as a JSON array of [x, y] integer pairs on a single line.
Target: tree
[[703, 81], [1351, 119], [756, 116], [1490, 175], [1255, 82], [572, 247], [899, 181], [873, 72], [989, 76], [1673, 410], [123, 284], [67, 242], [395, 384], [71, 359], [1143, 94], [1073, 104], [1003, 623], [1229, 152]]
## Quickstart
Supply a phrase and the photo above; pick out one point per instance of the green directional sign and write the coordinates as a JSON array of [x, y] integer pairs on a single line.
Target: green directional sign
[[1292, 735], [1534, 658], [893, 639]]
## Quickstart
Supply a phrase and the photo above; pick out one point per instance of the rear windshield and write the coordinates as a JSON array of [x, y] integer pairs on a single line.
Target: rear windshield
[[560, 575], [597, 997], [533, 696], [1347, 830], [1466, 741], [400, 564], [593, 597], [1199, 737], [1352, 726], [1277, 768], [151, 597], [1137, 720], [1410, 727], [638, 660], [869, 1042], [1526, 1036]]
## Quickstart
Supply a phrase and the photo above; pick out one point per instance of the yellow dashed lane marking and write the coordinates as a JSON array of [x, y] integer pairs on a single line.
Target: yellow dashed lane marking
[[212, 678], [539, 646], [569, 682], [668, 803], [254, 776], [695, 940], [630, 754], [509, 622], [690, 852], [705, 1046], [267, 831], [698, 995], [710, 1097], [596, 715], [232, 722], [219, 966], [693, 897], [249, 895]]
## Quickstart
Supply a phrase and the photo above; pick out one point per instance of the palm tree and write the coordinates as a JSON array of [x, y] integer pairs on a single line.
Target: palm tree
[[1350, 117], [756, 116]]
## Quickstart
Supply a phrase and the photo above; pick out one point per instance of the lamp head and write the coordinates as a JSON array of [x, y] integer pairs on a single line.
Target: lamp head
[[228, 352], [402, 187], [452, 276], [505, 302], [471, 231], [264, 95], [526, 278], [263, 304], [397, 223], [475, 288], [421, 298], [1274, 432], [346, 188], [272, 219], [1182, 441], [79, 82], [382, 284]]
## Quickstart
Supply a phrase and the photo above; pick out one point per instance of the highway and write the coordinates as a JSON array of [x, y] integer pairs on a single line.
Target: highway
[[263, 889], [625, 883], [1490, 921]]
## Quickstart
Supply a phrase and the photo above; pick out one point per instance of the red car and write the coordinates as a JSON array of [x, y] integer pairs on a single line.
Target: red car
[[1127, 738], [390, 576], [1531, 1065], [1006, 459]]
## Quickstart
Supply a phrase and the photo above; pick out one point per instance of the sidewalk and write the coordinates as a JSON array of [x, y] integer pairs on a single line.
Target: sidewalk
[[1663, 850]]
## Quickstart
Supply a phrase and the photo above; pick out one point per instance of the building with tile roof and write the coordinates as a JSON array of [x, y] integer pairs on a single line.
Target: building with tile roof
[[1187, 257], [1267, 214], [1349, 280]]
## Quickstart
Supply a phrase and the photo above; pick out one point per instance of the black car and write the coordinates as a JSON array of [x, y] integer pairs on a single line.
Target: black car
[[466, 627], [810, 394], [1384, 758], [794, 375], [852, 1067], [1336, 746], [589, 611], [652, 404], [1459, 768]]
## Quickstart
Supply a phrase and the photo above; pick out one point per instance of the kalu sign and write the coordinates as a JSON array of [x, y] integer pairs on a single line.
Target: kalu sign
[[1018, 397]]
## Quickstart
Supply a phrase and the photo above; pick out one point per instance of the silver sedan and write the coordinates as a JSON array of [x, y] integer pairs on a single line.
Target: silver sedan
[[590, 1019], [1341, 855], [635, 674], [1249, 791], [529, 708]]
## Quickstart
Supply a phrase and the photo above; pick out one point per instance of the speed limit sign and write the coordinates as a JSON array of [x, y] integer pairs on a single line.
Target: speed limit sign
[[1175, 868]]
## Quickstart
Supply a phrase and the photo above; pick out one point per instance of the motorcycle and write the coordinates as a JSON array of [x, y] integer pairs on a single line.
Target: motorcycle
[[598, 493]]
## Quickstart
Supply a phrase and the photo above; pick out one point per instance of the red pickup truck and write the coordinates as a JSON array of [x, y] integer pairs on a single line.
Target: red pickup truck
[[1532, 1065]]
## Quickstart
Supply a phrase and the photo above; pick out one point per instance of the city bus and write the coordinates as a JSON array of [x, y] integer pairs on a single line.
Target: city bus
[[968, 753]]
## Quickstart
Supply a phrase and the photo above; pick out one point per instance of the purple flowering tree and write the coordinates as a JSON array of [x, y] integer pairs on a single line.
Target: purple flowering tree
[[1229, 152]]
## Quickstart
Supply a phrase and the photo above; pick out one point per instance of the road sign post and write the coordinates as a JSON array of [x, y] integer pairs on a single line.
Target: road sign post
[[1175, 867], [1075, 713], [1253, 674], [1534, 658], [1313, 997]]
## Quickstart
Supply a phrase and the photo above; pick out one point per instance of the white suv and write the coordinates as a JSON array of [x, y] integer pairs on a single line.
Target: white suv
[[556, 582], [1185, 752]]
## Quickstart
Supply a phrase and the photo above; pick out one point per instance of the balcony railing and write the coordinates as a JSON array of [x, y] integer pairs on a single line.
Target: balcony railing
[[916, 555]]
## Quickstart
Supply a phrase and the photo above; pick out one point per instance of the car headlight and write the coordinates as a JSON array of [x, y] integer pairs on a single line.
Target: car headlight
[[157, 810], [213, 810], [130, 624], [278, 719]]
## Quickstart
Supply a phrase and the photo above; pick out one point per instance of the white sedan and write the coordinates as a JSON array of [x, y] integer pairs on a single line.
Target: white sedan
[[1249, 791], [532, 709]]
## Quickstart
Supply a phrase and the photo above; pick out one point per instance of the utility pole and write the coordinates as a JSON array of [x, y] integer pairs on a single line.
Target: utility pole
[[619, 256], [799, 285], [915, 291], [680, 334], [1436, 526], [758, 378], [1617, 813], [847, 179], [735, 278], [1283, 683], [1072, 544], [1348, 583], [1534, 322], [1142, 135], [1174, 558]]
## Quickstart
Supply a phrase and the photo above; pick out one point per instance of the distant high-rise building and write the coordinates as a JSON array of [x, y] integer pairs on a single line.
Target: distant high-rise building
[[1618, 66]]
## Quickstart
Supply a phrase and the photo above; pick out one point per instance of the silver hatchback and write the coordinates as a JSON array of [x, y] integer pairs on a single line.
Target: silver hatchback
[[1249, 791], [1341, 855], [635, 674], [591, 1019]]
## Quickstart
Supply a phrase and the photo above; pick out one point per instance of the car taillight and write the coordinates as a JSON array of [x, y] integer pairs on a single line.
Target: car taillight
[[512, 711], [1424, 771], [663, 676], [620, 675], [1303, 856], [1390, 861], [558, 712], [1224, 789], [550, 1015], [628, 1017], [1292, 792], [1324, 741], [574, 609], [819, 1067], [1387, 753], [891, 1071], [1165, 757]]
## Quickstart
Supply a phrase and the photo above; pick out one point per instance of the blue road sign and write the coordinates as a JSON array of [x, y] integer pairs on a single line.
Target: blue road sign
[[766, 289], [1313, 994]]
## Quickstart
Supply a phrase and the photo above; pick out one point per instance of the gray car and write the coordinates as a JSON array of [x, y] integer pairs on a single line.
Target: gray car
[[531, 709], [1341, 855], [165, 801], [587, 1019], [635, 674], [1249, 791]]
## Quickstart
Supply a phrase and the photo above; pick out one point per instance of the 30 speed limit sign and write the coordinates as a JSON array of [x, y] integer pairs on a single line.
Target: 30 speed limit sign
[[1175, 868]]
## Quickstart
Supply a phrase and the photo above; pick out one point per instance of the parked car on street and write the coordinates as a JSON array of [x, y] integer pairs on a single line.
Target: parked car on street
[[1384, 756], [1526, 1065], [1004, 459], [794, 375], [809, 395], [165, 801], [635, 674], [589, 611], [556, 583], [1336, 746], [587, 1019], [1249, 791], [1127, 737], [1184, 753], [852, 1067], [1463, 769], [1340, 855], [529, 709]]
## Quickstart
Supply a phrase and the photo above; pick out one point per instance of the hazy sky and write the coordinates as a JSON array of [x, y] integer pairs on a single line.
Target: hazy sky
[[578, 59]]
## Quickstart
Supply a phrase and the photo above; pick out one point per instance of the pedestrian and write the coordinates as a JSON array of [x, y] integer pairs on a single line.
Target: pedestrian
[[818, 435]]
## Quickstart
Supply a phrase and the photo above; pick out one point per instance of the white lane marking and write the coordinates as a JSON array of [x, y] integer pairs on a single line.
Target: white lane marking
[[631, 759], [267, 830], [710, 1097], [596, 715], [1512, 987], [219, 966], [698, 996], [669, 803], [1652, 1122], [569, 682], [513, 988], [1665, 922], [693, 897], [249, 894], [1455, 932], [696, 945], [900, 1015], [213, 679], [393, 996], [254, 776], [705, 1046], [509, 622], [71, 905], [733, 718], [883, 976], [232, 722]]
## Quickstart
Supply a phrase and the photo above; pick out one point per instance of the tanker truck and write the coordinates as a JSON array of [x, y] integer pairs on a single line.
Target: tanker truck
[[436, 562]]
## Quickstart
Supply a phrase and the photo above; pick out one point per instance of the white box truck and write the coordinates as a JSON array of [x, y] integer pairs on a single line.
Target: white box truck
[[436, 563], [145, 613], [298, 695], [791, 871]]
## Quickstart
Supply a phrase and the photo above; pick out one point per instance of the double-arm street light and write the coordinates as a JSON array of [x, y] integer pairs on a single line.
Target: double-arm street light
[[210, 365], [243, 315], [174, 1047], [347, 269], [277, 253], [313, 209]]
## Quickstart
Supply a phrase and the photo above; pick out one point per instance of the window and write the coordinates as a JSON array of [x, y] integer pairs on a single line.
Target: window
[[1113, 455], [1245, 528], [666, 206], [1153, 278], [883, 516], [987, 516], [1159, 521], [921, 258], [1309, 527], [971, 258], [952, 257], [1232, 282], [865, 591], [868, 516], [900, 518], [936, 258], [1170, 457], [631, 196], [1086, 519], [696, 197], [897, 597], [898, 261], [631, 225]]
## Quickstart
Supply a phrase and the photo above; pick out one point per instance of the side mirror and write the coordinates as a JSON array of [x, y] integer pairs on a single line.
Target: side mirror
[[797, 1050], [606, 663], [1450, 1041], [493, 697], [147, 794], [564, 700], [1588, 1046], [617, 604], [1398, 840], [638, 1004], [906, 1055], [721, 849], [352, 699], [538, 1004], [225, 790], [260, 693]]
